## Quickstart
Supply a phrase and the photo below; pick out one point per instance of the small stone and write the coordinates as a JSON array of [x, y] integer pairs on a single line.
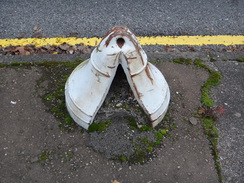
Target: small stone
[[13, 102], [237, 114], [118, 105], [139, 126], [193, 121]]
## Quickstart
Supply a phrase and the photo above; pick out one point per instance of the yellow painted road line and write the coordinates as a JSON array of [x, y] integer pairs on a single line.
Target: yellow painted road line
[[157, 40]]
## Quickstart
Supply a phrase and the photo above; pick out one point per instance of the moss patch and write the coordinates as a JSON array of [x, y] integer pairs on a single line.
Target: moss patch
[[143, 146], [208, 123], [199, 63], [213, 80], [44, 156], [98, 127], [186, 61], [240, 60]]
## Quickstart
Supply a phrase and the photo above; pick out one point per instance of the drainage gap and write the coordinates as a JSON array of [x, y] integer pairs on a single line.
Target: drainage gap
[[120, 42]]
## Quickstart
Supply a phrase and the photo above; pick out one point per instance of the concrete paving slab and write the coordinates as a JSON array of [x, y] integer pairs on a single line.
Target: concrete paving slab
[[229, 93]]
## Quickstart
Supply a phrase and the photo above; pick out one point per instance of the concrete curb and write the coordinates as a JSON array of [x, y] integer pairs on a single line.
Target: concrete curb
[[165, 56]]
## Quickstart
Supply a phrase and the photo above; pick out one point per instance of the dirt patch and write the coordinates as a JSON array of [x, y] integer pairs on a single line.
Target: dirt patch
[[34, 149]]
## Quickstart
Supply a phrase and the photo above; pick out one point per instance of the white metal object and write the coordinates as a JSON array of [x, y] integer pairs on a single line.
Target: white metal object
[[89, 83]]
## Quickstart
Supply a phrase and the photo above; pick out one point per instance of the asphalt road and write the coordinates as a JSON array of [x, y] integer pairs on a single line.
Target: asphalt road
[[145, 18]]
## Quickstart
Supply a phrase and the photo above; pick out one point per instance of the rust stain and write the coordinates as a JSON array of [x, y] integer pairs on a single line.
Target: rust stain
[[131, 58], [98, 78], [123, 32], [111, 67], [148, 74], [137, 92], [111, 54], [118, 30], [107, 74]]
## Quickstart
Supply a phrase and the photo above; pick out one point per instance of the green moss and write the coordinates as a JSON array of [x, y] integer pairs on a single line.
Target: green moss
[[159, 136], [132, 122], [49, 97], [133, 125], [138, 157], [184, 119], [211, 58], [127, 107], [123, 159], [218, 168], [79, 59], [240, 59], [156, 61], [213, 80], [210, 129], [98, 127], [150, 149], [163, 132], [44, 156], [3, 65], [153, 61], [178, 61], [206, 100], [183, 61], [199, 63], [69, 155], [68, 120], [212, 135], [208, 123], [167, 116], [144, 128]]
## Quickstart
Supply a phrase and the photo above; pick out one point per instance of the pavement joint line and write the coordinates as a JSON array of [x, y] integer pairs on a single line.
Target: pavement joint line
[[226, 40]]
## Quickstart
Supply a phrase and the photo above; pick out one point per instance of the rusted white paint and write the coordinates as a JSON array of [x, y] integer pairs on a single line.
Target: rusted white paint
[[89, 83]]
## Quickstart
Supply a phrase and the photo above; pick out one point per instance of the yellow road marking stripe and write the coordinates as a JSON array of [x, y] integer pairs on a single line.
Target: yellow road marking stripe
[[158, 40]]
